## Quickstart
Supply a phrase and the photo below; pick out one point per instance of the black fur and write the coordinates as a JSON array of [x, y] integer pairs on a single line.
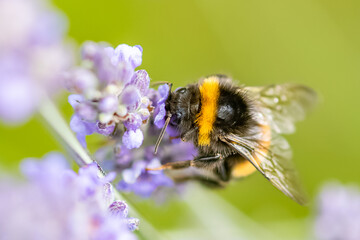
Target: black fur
[[234, 115]]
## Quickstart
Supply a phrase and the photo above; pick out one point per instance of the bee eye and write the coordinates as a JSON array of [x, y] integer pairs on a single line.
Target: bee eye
[[181, 90]]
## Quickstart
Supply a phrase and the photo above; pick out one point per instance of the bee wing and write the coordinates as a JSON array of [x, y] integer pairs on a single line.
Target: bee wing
[[283, 104], [271, 159]]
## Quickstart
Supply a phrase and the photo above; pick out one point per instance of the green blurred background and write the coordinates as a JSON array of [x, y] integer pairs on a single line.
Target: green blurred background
[[256, 42]]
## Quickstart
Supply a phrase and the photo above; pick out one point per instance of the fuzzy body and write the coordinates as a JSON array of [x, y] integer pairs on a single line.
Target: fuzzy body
[[207, 110]]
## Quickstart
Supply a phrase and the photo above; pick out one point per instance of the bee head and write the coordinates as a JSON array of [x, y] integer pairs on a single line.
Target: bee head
[[181, 108], [183, 104]]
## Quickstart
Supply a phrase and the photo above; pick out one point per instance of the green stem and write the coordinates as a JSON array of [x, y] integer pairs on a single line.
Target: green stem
[[66, 137]]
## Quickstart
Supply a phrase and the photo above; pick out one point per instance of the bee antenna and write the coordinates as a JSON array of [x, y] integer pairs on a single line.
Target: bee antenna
[[162, 133]]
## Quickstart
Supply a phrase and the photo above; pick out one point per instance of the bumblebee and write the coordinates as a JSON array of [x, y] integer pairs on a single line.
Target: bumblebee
[[237, 130]]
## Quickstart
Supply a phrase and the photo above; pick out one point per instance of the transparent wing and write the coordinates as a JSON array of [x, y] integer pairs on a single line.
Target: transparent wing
[[283, 104], [272, 159]]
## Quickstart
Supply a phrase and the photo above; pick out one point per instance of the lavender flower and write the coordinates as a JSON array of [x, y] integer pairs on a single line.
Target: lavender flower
[[32, 56], [160, 112], [57, 203], [338, 214], [109, 92], [113, 99]]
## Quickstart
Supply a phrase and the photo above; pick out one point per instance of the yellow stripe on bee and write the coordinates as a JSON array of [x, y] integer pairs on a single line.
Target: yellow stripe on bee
[[209, 91], [243, 169]]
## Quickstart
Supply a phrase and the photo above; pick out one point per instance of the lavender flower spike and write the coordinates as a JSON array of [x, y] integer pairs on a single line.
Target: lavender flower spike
[[110, 92], [56, 203], [32, 56]]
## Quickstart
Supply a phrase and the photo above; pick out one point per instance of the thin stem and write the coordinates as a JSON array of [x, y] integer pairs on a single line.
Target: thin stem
[[66, 137]]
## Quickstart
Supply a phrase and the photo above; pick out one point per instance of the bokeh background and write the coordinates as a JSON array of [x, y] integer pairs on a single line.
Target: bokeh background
[[256, 42]]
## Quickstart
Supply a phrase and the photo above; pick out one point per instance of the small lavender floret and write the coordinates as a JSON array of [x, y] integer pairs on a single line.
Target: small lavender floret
[[104, 129], [132, 139], [81, 128], [160, 111], [133, 224], [141, 80], [119, 208], [160, 114], [133, 121], [164, 93]]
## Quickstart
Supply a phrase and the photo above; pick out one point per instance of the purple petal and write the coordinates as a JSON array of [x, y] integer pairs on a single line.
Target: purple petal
[[80, 80], [75, 99], [133, 121], [104, 129], [160, 114], [86, 111], [141, 80], [130, 175], [172, 131], [153, 96], [91, 51], [81, 128], [133, 224], [131, 97], [109, 104], [133, 139], [119, 208], [132, 55], [164, 93]]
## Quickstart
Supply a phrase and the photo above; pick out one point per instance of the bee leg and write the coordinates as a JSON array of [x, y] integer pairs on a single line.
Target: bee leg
[[199, 162], [172, 165], [215, 163]]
